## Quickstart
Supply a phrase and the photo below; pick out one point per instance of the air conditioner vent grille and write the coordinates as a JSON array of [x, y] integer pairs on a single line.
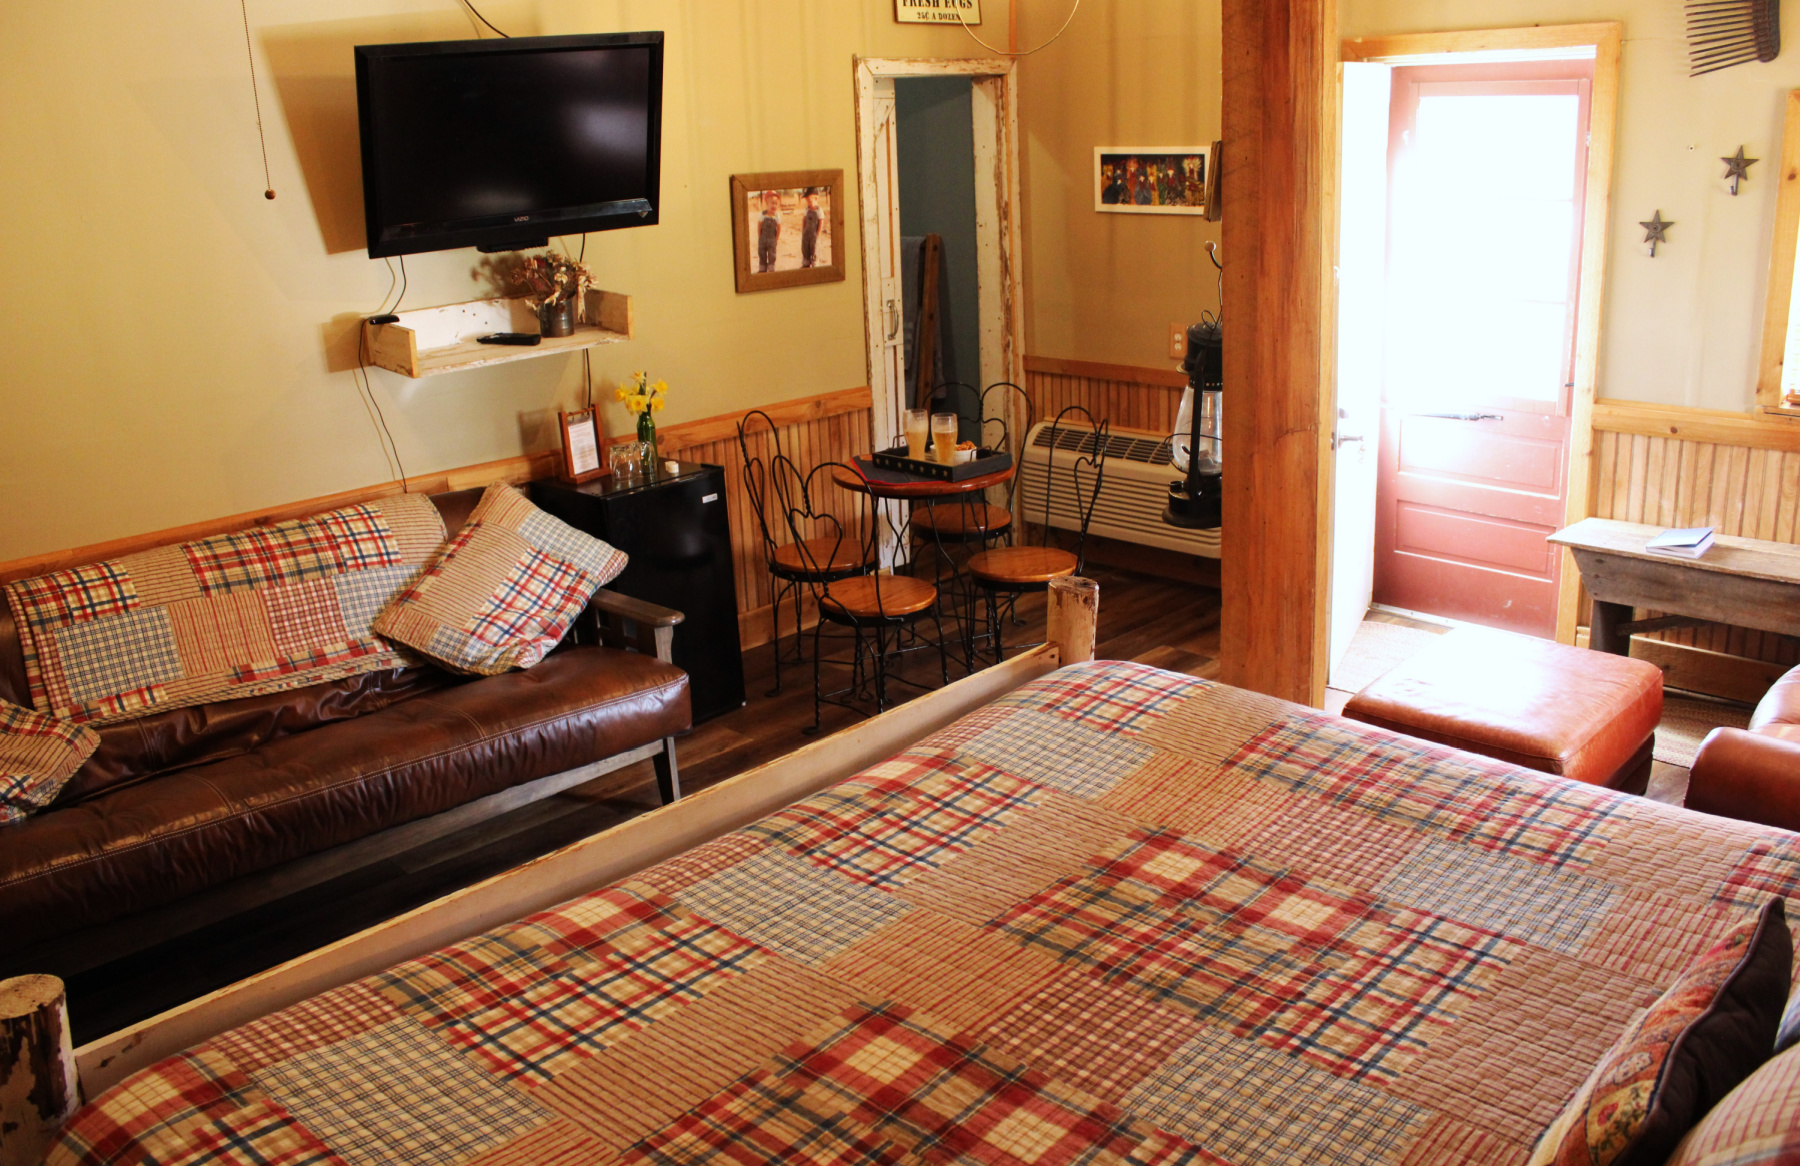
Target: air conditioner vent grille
[[1132, 496], [1119, 445]]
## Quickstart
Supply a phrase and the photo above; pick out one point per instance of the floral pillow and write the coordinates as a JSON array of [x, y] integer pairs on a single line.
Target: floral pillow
[[503, 591], [1711, 1029], [38, 756]]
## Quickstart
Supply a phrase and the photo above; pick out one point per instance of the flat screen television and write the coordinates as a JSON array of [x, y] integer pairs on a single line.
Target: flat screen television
[[500, 144]]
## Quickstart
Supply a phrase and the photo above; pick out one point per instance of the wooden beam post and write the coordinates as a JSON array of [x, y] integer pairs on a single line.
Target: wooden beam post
[[38, 1085], [1280, 213], [1073, 613]]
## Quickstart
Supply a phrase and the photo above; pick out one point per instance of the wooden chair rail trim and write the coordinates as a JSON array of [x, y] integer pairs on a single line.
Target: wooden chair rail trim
[[515, 470], [1716, 426], [724, 427], [1167, 378]]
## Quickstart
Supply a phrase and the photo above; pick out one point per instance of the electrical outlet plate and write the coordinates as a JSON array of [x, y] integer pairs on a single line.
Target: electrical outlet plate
[[1177, 341]]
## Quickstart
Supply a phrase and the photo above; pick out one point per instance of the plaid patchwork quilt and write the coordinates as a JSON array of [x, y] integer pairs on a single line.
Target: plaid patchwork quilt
[[238, 614], [1119, 916]]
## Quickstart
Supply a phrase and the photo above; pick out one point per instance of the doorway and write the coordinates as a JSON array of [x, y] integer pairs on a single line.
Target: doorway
[[1467, 328], [964, 109]]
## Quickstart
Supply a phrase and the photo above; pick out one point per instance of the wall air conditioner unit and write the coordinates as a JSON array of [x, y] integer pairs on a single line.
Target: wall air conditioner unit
[[1132, 495]]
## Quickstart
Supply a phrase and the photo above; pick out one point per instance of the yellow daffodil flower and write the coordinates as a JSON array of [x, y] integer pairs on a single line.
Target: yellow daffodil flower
[[621, 393], [661, 386], [656, 405]]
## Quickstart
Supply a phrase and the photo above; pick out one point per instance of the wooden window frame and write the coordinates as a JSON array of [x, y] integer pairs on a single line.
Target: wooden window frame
[[1781, 272]]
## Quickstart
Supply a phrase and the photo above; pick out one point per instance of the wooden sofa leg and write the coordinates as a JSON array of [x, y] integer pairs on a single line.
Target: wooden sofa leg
[[668, 774]]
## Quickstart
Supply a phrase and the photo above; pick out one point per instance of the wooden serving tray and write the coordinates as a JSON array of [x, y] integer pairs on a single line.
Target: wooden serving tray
[[985, 461]]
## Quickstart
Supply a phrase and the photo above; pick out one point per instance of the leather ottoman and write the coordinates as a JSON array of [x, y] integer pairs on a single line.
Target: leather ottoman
[[1589, 716]]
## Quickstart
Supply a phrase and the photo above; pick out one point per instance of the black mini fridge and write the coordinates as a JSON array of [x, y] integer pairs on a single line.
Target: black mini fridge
[[676, 529]]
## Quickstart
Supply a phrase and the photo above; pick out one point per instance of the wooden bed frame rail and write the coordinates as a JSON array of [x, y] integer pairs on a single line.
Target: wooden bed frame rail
[[594, 861]]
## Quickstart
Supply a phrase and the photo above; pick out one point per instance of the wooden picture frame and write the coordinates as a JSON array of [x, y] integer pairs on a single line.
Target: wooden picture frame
[[583, 446], [776, 257], [1215, 166], [1123, 185]]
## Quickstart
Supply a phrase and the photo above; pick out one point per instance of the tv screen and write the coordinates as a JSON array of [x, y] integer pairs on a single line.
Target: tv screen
[[504, 143]]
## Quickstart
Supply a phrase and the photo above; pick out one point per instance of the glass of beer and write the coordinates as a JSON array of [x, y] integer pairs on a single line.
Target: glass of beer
[[943, 436], [918, 428]]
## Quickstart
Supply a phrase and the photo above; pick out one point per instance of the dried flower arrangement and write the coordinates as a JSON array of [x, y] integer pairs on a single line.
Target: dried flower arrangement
[[546, 278]]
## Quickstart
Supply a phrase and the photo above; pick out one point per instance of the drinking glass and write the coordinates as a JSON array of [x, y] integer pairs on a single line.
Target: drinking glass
[[918, 427], [626, 458], [943, 436]]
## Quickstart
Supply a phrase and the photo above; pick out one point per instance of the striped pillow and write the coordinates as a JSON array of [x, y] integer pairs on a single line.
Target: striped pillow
[[38, 756], [501, 594], [1757, 1124]]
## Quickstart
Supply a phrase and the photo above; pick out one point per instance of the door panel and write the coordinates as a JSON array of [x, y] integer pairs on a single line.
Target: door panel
[[1361, 267], [1473, 452], [1456, 536], [1487, 174]]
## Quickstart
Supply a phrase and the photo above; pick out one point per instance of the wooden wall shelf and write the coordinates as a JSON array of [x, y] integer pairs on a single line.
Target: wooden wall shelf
[[428, 341]]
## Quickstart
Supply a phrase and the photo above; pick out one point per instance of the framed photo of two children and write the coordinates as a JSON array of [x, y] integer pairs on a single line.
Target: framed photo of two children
[[787, 228]]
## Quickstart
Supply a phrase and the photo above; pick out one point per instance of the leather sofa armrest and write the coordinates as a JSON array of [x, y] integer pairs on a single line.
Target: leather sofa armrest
[[1752, 777], [625, 622]]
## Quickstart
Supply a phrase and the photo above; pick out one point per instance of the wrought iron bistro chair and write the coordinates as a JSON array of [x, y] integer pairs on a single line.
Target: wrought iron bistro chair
[[1003, 574], [791, 566], [980, 520], [832, 522]]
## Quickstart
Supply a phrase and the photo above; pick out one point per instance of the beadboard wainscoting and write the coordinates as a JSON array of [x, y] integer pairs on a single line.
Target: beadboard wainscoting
[[828, 427], [1672, 466], [1130, 396]]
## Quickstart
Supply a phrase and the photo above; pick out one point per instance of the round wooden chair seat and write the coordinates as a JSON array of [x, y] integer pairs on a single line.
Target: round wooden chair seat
[[1020, 566], [823, 556], [883, 597], [952, 520]]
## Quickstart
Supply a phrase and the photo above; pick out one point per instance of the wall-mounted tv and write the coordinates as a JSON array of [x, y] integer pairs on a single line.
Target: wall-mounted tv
[[500, 144]]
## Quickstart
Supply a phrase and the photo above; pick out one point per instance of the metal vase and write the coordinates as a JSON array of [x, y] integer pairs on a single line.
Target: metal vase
[[557, 318]]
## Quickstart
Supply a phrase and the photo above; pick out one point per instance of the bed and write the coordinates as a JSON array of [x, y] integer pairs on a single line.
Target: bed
[[1116, 915]]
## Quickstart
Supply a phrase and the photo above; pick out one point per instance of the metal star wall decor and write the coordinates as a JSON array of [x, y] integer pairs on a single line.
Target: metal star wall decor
[[1738, 167], [1656, 231]]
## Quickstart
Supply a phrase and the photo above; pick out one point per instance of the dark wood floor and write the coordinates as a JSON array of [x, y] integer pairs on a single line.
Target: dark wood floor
[[1168, 624]]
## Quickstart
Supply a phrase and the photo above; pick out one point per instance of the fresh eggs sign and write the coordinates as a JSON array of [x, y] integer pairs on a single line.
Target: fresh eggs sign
[[937, 11]]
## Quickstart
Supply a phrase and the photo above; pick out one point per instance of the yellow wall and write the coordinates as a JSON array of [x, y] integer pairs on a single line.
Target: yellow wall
[[1683, 328], [178, 347], [1105, 286]]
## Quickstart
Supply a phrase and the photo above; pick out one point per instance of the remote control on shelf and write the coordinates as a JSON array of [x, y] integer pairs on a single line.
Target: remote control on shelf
[[524, 339]]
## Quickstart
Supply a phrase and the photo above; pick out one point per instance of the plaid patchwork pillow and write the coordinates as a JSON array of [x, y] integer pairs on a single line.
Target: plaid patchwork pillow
[[1758, 1123], [1711, 1029], [38, 755], [238, 614], [504, 590]]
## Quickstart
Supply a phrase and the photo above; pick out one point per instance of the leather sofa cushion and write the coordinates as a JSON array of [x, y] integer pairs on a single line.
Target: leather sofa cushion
[[137, 750], [1546, 706], [141, 845]]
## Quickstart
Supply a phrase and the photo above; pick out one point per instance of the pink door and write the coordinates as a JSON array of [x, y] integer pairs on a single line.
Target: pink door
[[1487, 172]]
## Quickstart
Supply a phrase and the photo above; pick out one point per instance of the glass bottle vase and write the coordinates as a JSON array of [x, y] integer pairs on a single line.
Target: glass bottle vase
[[646, 433]]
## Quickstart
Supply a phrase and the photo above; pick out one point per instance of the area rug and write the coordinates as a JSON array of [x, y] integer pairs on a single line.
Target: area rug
[[1375, 649], [1687, 720]]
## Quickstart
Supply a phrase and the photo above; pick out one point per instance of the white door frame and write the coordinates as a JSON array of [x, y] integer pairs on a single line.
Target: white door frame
[[998, 268]]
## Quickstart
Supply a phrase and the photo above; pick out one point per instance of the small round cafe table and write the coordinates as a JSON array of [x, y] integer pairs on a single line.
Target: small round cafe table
[[885, 483]]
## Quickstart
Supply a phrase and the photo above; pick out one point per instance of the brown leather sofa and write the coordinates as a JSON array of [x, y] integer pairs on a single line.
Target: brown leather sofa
[[178, 802], [1754, 774]]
